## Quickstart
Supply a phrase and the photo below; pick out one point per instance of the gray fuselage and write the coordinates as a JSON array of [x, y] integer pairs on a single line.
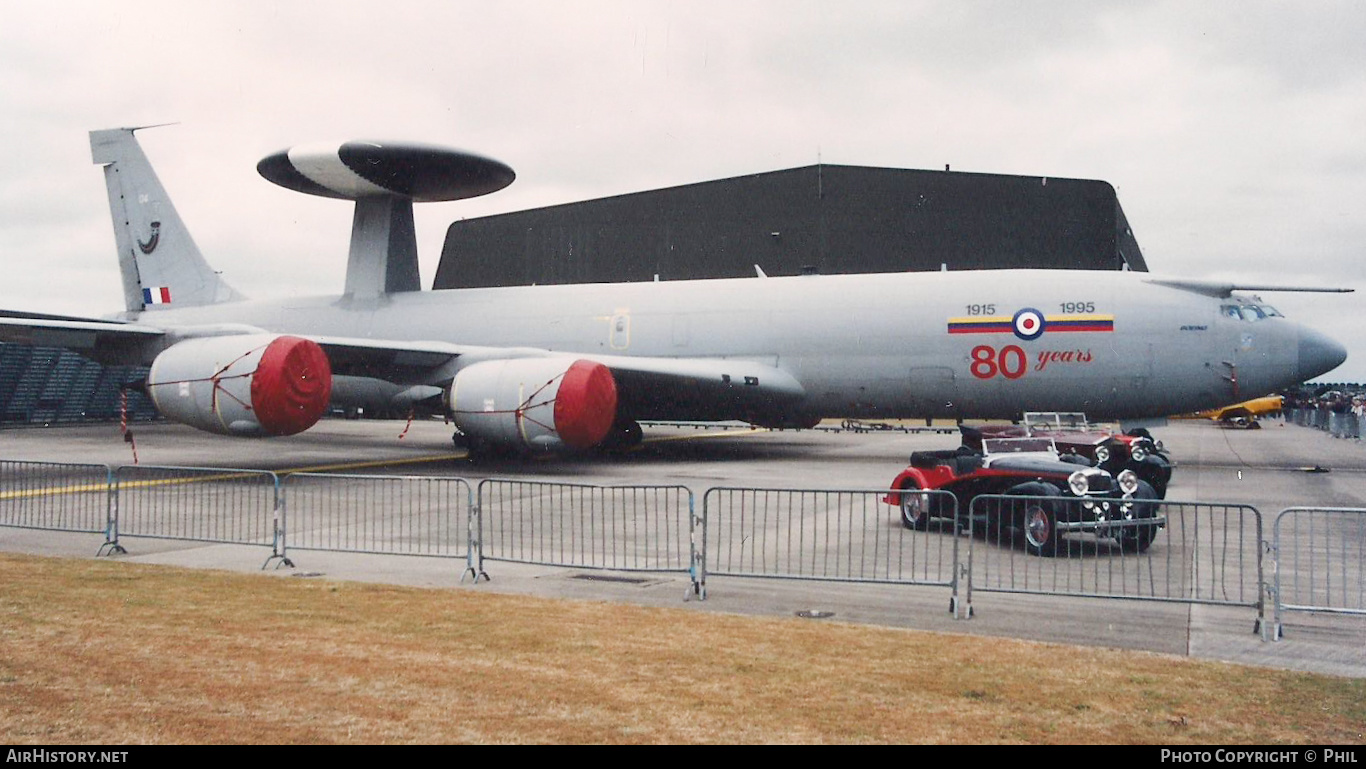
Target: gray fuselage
[[948, 344]]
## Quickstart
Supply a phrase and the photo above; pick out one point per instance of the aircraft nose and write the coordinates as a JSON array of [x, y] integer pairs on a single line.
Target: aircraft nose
[[1318, 354]]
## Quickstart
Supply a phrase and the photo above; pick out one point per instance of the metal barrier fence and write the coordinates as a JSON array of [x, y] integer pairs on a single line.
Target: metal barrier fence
[[1167, 551], [380, 514], [1320, 557], [55, 496], [1338, 425], [1155, 550], [848, 535], [200, 504], [1344, 425], [625, 528]]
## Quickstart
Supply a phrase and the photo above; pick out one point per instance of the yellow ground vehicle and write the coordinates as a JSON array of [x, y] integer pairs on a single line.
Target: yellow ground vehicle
[[1244, 414]]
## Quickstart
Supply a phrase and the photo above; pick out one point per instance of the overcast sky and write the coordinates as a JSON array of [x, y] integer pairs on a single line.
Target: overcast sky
[[1234, 132]]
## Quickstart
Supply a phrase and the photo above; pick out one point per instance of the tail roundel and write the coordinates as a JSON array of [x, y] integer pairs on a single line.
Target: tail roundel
[[158, 260]]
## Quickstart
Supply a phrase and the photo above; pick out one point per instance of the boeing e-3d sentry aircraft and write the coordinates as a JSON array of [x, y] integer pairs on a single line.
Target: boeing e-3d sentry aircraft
[[577, 366]]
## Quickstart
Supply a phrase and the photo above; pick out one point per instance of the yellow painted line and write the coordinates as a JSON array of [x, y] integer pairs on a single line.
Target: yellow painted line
[[89, 488], [374, 463], [101, 488], [29, 493]]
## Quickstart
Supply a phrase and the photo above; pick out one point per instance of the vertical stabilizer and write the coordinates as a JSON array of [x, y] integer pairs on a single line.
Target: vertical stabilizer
[[160, 264]]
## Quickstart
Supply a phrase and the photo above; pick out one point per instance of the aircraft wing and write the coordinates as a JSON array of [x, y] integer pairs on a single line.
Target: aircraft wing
[[694, 389], [398, 362], [78, 334], [704, 389], [395, 361], [700, 389]]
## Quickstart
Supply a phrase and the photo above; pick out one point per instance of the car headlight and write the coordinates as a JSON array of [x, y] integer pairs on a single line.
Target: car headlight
[[1103, 454], [1078, 484], [1128, 482], [1139, 452]]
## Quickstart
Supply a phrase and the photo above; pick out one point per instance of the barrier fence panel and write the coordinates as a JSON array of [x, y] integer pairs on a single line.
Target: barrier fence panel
[[1158, 550], [852, 535], [54, 496], [1320, 561], [1340, 425], [1344, 425], [196, 503], [624, 528], [385, 514]]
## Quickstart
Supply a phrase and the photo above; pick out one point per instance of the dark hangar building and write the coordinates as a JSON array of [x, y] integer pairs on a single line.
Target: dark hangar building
[[825, 218]]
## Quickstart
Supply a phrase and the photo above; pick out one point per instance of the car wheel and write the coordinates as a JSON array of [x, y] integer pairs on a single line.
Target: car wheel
[[1156, 471], [1159, 487], [1036, 520], [915, 507], [1039, 527], [1136, 539]]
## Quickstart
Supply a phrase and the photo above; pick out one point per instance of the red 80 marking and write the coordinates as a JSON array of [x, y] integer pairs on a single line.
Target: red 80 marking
[[1010, 362]]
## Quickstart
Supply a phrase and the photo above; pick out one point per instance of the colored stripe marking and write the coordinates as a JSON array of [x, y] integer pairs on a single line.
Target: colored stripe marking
[[1080, 322], [1000, 324], [992, 324]]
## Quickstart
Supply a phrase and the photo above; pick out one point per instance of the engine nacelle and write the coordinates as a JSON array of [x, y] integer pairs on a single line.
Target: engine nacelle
[[252, 384], [543, 404]]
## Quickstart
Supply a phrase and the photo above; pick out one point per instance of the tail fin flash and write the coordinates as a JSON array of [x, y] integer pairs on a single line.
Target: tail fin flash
[[159, 261]]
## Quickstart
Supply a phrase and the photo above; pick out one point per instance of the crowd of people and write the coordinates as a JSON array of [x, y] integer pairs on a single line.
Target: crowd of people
[[1339, 409]]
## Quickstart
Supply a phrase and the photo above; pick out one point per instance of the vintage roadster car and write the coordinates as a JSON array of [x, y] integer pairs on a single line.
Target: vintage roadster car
[[1107, 448], [1049, 496]]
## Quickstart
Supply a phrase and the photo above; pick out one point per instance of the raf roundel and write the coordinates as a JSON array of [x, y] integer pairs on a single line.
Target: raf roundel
[[1028, 324]]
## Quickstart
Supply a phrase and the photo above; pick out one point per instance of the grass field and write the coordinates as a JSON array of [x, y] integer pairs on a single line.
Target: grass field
[[118, 653]]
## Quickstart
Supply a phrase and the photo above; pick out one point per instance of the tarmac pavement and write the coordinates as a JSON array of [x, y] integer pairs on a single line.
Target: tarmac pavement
[[1272, 468]]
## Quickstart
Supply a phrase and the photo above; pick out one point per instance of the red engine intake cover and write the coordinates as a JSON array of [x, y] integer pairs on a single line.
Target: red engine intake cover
[[291, 387], [586, 404]]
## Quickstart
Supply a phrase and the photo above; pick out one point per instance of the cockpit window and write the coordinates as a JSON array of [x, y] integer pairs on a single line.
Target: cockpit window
[[1249, 312]]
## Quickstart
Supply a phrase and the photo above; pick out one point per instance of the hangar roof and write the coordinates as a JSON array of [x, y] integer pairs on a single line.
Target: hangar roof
[[833, 218]]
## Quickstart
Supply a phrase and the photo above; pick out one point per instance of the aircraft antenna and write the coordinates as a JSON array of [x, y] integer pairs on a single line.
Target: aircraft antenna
[[134, 129], [820, 176], [384, 179]]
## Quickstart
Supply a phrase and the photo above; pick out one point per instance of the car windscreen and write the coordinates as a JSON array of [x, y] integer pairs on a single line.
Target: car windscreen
[[1017, 445]]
